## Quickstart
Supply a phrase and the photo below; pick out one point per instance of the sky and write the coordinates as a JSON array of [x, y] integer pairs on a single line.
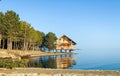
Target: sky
[[92, 24]]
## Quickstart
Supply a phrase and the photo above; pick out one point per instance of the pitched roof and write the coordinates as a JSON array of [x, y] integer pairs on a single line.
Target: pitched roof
[[69, 39]]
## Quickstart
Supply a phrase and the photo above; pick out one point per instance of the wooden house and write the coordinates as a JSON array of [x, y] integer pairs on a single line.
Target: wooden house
[[65, 43]]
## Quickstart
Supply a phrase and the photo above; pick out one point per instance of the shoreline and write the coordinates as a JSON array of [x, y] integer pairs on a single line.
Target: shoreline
[[57, 72], [18, 54], [48, 71]]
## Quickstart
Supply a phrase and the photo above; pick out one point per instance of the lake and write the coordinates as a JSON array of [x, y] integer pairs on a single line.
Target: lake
[[89, 59]]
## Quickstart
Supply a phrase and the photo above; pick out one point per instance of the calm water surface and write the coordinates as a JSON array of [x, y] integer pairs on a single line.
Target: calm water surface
[[102, 59]]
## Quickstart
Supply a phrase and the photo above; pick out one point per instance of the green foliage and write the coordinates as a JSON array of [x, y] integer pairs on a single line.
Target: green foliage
[[2, 26], [40, 38], [11, 23], [5, 63], [50, 41], [1, 22], [21, 34]]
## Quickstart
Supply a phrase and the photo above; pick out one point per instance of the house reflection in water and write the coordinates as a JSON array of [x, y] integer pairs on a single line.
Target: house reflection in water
[[65, 62], [58, 61]]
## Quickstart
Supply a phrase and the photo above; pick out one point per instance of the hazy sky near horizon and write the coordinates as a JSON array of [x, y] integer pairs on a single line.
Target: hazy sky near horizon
[[90, 23]]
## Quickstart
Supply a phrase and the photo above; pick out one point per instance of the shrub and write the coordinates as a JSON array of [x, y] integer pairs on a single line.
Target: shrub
[[8, 63]]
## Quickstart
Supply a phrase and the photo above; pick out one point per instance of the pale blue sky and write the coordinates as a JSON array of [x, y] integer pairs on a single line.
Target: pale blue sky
[[90, 23]]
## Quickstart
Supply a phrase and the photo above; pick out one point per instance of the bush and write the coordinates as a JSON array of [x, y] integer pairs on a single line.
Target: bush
[[6, 63]]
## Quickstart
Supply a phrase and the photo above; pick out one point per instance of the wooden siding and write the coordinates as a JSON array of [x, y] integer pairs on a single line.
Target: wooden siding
[[65, 43]]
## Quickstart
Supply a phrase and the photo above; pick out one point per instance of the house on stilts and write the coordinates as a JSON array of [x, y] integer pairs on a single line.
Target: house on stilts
[[65, 43]]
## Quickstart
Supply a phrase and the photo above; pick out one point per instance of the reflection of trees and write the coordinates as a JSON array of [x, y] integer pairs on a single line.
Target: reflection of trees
[[48, 62], [61, 61], [51, 63], [42, 62], [35, 62]]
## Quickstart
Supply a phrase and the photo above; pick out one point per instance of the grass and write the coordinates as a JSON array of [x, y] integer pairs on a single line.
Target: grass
[[9, 63]]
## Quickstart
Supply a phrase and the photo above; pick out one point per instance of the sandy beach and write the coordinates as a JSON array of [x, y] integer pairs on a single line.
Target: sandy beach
[[56, 72]]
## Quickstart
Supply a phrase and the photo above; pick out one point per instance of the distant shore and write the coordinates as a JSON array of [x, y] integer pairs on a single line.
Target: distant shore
[[56, 72], [17, 54]]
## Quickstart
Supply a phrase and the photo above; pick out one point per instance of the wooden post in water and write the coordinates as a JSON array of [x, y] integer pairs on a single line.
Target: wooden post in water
[[65, 50], [61, 50], [56, 50], [70, 51]]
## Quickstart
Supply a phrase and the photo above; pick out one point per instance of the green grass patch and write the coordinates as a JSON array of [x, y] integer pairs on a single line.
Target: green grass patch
[[9, 63]]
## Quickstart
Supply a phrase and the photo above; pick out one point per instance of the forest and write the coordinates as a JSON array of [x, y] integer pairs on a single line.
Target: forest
[[17, 34]]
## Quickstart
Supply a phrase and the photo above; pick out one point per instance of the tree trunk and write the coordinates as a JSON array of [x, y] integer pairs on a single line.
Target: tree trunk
[[13, 44], [17, 45], [9, 44], [0, 43], [3, 44], [30, 45], [33, 47], [24, 45]]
